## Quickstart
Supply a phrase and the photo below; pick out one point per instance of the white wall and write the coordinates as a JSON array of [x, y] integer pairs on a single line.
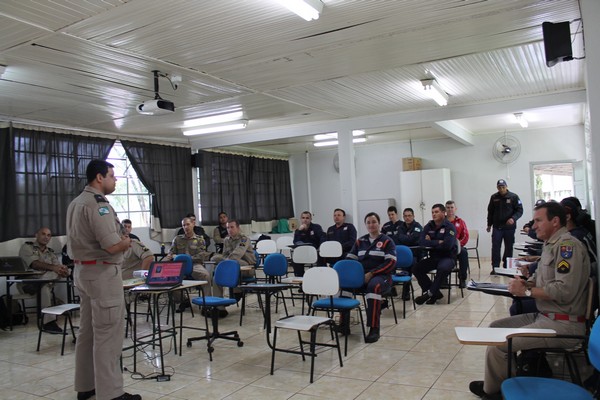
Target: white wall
[[473, 168]]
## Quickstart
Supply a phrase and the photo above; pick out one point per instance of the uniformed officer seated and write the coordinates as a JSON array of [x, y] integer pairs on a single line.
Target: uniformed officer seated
[[236, 246], [37, 255]]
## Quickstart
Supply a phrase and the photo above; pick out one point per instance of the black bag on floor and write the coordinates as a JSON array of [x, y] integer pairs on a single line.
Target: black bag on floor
[[18, 315], [533, 363]]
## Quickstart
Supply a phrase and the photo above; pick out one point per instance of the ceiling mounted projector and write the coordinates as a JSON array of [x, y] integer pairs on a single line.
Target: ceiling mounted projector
[[158, 106]]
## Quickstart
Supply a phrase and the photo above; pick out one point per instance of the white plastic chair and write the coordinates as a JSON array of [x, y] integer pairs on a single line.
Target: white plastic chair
[[473, 244], [319, 281], [330, 249], [283, 245], [305, 255], [264, 248], [63, 309]]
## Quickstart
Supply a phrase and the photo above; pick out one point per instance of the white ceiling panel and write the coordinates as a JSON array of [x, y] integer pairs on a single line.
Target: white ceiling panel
[[87, 63]]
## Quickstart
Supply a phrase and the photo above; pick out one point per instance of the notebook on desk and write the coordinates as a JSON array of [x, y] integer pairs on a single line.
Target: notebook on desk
[[162, 275], [13, 265], [488, 285]]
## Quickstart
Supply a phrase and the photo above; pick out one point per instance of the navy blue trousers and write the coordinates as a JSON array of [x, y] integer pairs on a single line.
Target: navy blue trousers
[[499, 235], [443, 265]]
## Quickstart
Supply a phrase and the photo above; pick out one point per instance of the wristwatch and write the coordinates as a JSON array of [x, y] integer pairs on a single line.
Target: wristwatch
[[528, 292]]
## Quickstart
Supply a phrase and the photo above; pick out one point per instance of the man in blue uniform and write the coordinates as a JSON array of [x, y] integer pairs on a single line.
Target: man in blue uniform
[[439, 236], [307, 234], [390, 228], [504, 209], [409, 231], [342, 232]]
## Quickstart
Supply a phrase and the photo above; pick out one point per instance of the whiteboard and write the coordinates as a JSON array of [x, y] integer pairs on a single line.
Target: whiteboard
[[379, 206]]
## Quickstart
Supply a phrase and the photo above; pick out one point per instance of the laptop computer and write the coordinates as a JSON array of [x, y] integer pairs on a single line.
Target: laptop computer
[[162, 275], [13, 265]]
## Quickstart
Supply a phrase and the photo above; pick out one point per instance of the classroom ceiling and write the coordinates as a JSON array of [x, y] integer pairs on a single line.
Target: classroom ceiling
[[87, 65]]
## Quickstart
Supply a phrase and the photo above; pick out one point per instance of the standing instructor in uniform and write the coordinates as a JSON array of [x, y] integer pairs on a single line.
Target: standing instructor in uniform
[[504, 209], [96, 244]]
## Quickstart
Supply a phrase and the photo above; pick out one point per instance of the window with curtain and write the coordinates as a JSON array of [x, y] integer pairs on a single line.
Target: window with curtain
[[167, 174], [48, 172], [130, 199], [247, 188]]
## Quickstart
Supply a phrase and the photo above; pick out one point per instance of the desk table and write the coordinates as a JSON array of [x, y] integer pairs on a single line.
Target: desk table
[[268, 289], [498, 336], [38, 293], [495, 289], [157, 332], [15, 275]]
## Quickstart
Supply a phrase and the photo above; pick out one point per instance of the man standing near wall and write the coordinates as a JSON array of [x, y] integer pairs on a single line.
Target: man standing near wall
[[96, 244], [504, 209]]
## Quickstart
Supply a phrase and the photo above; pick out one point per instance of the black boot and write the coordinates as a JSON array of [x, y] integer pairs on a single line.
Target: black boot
[[373, 335]]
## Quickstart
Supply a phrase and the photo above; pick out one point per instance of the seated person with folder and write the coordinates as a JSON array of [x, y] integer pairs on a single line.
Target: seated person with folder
[[37, 255], [559, 287]]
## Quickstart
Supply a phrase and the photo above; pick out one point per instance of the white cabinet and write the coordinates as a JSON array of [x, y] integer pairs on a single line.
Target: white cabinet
[[420, 190]]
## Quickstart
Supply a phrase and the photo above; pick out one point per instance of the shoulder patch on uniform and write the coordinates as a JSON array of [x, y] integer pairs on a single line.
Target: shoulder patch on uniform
[[417, 229], [100, 199], [103, 211], [452, 232], [566, 249], [563, 267]]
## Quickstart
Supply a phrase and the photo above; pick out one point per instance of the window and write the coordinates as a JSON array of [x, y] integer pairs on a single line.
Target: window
[[130, 199], [559, 179]]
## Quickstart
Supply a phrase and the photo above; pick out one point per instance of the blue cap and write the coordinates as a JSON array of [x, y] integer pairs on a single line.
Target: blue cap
[[501, 182]]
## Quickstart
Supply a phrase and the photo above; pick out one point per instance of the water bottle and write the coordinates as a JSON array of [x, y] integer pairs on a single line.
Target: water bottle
[[162, 249]]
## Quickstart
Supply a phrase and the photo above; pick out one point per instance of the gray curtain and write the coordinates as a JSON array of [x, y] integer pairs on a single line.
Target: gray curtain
[[48, 171], [246, 188]]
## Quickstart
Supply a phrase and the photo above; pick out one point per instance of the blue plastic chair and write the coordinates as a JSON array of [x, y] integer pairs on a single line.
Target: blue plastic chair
[[351, 275], [188, 264], [404, 262], [227, 274], [526, 387], [188, 267]]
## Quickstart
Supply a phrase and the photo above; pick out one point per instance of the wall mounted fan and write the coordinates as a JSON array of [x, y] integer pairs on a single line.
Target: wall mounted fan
[[506, 149]]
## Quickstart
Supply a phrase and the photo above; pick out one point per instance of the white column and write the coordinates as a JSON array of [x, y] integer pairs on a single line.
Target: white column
[[347, 176]]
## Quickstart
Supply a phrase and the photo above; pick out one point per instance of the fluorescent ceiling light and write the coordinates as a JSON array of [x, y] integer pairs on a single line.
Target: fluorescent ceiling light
[[335, 142], [334, 135], [219, 128], [214, 119], [521, 120], [307, 9], [434, 91]]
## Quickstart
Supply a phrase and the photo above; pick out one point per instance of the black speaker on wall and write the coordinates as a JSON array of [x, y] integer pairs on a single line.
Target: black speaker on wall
[[196, 160], [557, 42]]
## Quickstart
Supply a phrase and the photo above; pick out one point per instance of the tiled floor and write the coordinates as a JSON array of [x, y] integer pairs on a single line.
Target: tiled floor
[[419, 358]]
